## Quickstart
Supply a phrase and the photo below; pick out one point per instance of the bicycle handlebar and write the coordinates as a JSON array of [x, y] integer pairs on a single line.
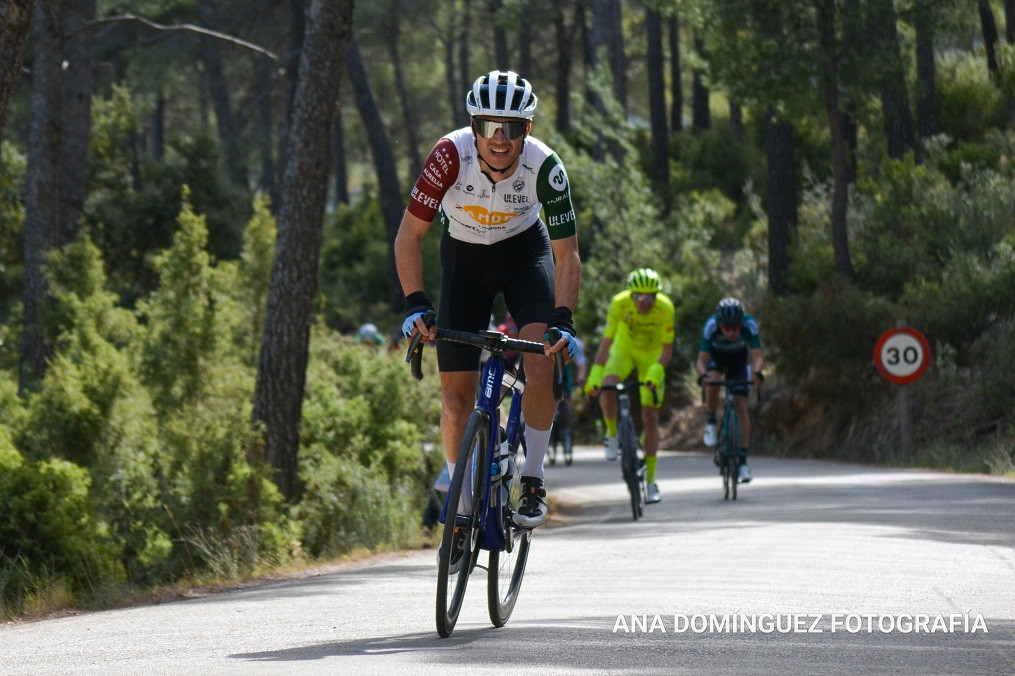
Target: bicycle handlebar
[[620, 387], [493, 341], [728, 384]]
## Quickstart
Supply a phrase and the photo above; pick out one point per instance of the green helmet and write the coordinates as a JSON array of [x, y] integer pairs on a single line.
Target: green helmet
[[644, 280]]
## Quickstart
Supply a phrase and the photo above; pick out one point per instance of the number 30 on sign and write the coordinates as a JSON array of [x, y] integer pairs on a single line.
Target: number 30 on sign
[[902, 355]]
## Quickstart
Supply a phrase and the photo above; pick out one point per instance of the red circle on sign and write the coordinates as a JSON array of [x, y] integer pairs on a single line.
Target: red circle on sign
[[888, 358]]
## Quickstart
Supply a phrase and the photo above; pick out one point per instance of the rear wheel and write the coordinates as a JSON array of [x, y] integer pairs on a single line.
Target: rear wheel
[[724, 460], [504, 575], [734, 452], [451, 583], [629, 458]]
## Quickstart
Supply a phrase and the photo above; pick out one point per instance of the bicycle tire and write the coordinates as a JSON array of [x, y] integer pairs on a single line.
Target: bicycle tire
[[506, 569], [724, 460], [629, 458], [734, 450], [568, 449], [475, 442]]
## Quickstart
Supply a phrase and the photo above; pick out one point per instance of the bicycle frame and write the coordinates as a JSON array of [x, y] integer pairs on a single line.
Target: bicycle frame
[[493, 528]]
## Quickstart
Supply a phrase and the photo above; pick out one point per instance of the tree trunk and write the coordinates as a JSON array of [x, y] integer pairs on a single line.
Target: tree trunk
[[562, 79], [840, 180], [392, 206], [297, 31], [267, 182], [701, 111], [282, 366], [501, 55], [406, 99], [218, 88], [926, 99], [989, 26], [736, 121], [1009, 21], [465, 76], [676, 79], [455, 98], [57, 156], [158, 122], [15, 26], [607, 40], [895, 110], [657, 100], [780, 151], [339, 174], [525, 44]]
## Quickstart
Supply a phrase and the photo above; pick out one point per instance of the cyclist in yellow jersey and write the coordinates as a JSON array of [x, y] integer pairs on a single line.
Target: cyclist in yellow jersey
[[638, 336]]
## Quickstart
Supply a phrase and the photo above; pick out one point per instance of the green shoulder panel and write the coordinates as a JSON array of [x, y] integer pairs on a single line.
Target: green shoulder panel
[[554, 192]]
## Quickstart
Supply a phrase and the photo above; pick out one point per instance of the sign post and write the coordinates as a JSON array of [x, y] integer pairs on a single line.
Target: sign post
[[902, 356]]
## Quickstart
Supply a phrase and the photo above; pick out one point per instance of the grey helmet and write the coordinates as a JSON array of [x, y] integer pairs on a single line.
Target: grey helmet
[[729, 312]]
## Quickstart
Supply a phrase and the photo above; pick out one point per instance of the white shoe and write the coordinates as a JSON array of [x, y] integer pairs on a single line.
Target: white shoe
[[610, 448], [710, 435], [745, 474], [654, 495]]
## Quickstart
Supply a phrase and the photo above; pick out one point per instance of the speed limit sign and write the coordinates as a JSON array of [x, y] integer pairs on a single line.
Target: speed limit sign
[[902, 355]]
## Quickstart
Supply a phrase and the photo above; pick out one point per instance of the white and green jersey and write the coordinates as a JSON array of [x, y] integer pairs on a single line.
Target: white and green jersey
[[475, 209]]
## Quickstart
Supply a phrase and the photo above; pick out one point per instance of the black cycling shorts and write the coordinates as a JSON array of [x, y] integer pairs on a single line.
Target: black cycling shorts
[[734, 367], [472, 275]]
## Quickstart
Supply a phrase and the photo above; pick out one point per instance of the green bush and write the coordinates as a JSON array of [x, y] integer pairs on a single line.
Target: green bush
[[968, 103], [48, 524]]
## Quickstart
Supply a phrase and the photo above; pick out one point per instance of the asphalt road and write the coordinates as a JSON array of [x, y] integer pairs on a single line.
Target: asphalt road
[[817, 568]]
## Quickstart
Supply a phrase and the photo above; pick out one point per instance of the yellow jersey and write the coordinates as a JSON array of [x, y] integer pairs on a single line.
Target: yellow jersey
[[633, 330]]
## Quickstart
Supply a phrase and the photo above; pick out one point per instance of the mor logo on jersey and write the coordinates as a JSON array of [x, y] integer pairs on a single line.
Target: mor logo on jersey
[[485, 217], [558, 178], [518, 185]]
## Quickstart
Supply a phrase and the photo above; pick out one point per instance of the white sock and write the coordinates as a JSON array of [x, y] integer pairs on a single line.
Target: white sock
[[536, 442]]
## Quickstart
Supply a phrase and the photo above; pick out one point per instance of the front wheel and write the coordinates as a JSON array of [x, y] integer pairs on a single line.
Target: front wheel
[[629, 458], [733, 448], [453, 570]]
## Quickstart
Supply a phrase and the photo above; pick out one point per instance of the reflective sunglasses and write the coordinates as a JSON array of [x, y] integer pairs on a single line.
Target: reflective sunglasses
[[730, 327], [643, 296], [487, 128]]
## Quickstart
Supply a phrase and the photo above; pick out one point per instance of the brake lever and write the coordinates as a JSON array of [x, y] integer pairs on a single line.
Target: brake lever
[[553, 336], [414, 356]]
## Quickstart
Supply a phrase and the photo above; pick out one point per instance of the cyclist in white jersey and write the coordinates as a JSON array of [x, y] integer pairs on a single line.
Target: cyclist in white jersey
[[486, 184]]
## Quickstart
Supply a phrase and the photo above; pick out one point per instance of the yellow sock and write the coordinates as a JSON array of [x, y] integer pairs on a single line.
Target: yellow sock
[[650, 468], [611, 426]]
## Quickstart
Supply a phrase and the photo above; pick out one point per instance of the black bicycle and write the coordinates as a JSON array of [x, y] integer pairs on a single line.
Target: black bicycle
[[488, 459], [632, 460], [729, 438]]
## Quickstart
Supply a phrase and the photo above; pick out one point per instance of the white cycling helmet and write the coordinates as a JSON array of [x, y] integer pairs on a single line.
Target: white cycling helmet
[[501, 94]]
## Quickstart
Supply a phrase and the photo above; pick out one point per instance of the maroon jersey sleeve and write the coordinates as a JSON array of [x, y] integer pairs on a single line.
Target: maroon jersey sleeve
[[440, 171]]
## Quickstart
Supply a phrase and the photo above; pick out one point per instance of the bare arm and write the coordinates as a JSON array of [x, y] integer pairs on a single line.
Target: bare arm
[[757, 360], [567, 279], [603, 353], [666, 355], [703, 362], [409, 259], [408, 252]]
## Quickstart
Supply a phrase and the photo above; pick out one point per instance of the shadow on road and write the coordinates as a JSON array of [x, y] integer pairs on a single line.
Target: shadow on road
[[584, 644]]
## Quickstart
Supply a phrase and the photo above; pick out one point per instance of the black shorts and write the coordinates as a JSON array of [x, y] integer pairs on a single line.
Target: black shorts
[[472, 275], [734, 367]]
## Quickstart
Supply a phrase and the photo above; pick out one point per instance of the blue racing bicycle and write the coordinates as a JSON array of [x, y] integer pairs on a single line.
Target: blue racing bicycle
[[488, 460]]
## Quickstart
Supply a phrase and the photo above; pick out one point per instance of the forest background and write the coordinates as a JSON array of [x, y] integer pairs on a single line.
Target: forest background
[[198, 200]]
